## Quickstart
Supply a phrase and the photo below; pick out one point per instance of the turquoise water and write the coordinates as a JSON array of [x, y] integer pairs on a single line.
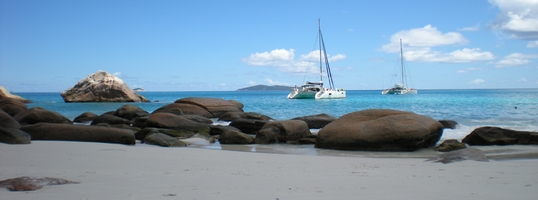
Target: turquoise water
[[508, 108]]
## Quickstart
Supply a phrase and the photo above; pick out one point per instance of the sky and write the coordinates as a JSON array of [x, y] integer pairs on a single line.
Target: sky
[[180, 45]]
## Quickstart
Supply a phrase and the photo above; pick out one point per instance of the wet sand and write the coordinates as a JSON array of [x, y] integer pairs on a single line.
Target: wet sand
[[111, 171]]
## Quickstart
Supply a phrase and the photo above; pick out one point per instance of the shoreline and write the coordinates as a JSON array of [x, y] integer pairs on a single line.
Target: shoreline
[[112, 171]]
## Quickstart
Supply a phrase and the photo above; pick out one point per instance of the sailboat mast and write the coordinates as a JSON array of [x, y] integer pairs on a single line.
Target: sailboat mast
[[320, 38], [401, 61]]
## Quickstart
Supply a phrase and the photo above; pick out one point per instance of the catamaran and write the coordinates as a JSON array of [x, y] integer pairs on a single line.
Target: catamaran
[[400, 88], [316, 89]]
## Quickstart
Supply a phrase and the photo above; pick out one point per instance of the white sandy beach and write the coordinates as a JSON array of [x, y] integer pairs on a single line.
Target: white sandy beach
[[112, 171]]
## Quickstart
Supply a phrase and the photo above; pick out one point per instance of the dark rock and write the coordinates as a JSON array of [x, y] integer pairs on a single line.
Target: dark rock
[[499, 136], [287, 130], [130, 112], [235, 137], [460, 155], [171, 121], [39, 115], [219, 129], [380, 130], [450, 145], [140, 122], [71, 132], [198, 118], [316, 121], [215, 106], [125, 126], [26, 183], [85, 117], [163, 140], [14, 136], [101, 87], [248, 126], [267, 136], [306, 140], [109, 119], [12, 106], [230, 116], [451, 124], [178, 133], [141, 134], [184, 109], [6, 121], [237, 104]]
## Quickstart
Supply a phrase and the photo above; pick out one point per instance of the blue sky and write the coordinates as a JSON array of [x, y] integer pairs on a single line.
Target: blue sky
[[178, 45]]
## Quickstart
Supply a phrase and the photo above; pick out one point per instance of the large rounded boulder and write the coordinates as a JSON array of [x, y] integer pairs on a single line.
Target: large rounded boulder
[[83, 133], [6, 121], [215, 106], [12, 106], [235, 137], [130, 112], [282, 131], [37, 115], [171, 121], [184, 109], [499, 136], [380, 130], [101, 87], [14, 136], [316, 121]]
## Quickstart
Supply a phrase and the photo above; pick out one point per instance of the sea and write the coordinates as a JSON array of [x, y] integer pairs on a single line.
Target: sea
[[515, 109]]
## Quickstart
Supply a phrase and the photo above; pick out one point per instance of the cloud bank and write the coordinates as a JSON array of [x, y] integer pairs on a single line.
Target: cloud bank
[[418, 44], [284, 60], [518, 19]]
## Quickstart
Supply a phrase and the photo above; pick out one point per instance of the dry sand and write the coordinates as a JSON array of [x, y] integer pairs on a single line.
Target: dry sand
[[112, 171]]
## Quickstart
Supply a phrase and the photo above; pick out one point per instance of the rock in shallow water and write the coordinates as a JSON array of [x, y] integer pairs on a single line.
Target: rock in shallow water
[[460, 155], [101, 87], [380, 130]]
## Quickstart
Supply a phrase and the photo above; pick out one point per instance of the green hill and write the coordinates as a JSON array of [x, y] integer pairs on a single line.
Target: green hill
[[265, 87]]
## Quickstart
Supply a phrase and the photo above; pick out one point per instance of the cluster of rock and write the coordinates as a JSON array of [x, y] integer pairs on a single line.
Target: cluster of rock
[[101, 87], [175, 124]]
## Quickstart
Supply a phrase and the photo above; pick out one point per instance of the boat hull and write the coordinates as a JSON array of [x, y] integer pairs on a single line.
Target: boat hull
[[322, 94], [399, 91]]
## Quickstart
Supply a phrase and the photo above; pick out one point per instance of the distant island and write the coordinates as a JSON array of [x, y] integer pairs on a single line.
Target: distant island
[[265, 87]]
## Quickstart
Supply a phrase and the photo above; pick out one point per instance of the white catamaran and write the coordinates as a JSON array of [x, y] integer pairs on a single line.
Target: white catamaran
[[400, 87], [316, 90]]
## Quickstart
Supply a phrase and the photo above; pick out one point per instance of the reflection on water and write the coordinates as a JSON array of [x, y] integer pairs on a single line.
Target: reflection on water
[[492, 152]]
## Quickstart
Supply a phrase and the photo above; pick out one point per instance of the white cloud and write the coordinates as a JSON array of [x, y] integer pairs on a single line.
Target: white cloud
[[470, 28], [523, 80], [271, 82], [223, 84], [277, 57], [424, 37], [252, 83], [418, 43], [518, 18], [477, 81], [515, 59], [286, 62], [532, 44], [468, 70], [117, 74]]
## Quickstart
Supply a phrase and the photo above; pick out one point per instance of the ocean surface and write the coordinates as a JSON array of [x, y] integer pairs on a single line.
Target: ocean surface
[[508, 108]]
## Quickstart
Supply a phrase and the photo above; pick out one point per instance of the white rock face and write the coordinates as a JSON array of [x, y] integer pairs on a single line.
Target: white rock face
[[101, 87]]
